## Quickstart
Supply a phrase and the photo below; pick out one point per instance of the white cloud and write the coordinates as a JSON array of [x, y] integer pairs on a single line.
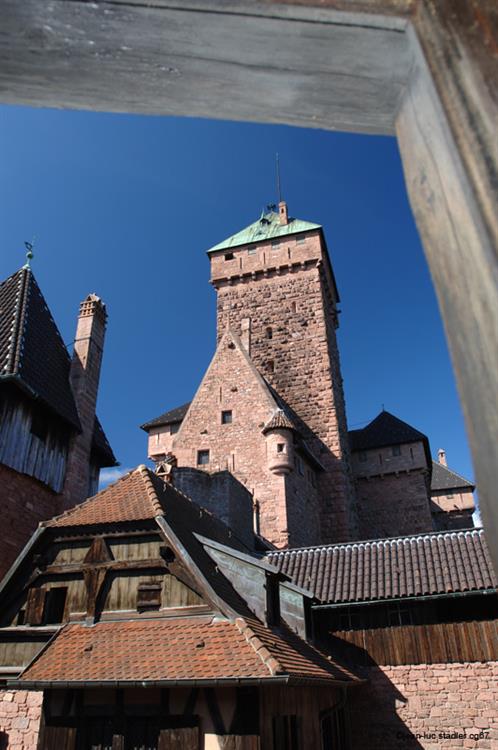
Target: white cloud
[[108, 476]]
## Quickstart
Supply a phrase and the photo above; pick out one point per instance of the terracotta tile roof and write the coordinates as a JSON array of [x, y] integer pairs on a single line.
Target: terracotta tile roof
[[426, 564], [446, 479], [171, 649], [29, 337], [131, 498], [168, 417]]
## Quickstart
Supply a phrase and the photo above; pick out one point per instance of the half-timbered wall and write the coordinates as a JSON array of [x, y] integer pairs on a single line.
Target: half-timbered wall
[[32, 443]]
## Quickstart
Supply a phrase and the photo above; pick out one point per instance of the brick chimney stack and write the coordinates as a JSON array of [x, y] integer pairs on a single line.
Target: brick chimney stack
[[283, 213], [84, 376], [441, 456]]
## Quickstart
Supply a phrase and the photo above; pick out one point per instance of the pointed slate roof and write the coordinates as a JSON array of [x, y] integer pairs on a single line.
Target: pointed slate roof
[[32, 352], [446, 479], [267, 227], [385, 429]]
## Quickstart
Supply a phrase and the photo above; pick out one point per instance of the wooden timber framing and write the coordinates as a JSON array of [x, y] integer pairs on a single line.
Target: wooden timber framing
[[439, 643], [422, 69]]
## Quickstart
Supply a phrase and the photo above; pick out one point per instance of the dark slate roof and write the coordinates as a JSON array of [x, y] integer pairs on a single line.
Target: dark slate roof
[[422, 565], [446, 479], [28, 338], [169, 417], [102, 447], [385, 429]]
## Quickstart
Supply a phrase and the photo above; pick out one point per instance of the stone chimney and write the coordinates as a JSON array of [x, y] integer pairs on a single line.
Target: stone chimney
[[441, 456], [84, 377], [283, 213]]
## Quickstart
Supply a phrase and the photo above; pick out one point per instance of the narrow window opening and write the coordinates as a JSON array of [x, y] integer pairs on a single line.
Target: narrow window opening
[[270, 365], [269, 333], [294, 307], [202, 458], [55, 604], [272, 600], [226, 417]]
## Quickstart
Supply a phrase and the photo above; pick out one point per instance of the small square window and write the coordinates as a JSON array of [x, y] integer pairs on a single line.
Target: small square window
[[396, 450], [229, 256], [280, 448], [275, 244], [362, 456], [226, 417], [202, 458], [252, 250], [301, 239]]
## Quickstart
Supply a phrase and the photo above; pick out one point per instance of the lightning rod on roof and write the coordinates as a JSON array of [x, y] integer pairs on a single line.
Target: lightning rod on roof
[[279, 187], [29, 252]]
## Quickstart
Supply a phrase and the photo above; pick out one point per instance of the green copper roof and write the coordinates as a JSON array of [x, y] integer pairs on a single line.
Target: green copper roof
[[267, 227]]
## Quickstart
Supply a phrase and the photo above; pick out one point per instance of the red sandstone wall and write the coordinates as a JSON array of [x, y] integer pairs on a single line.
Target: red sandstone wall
[[20, 714], [306, 369], [393, 505], [400, 703], [25, 502]]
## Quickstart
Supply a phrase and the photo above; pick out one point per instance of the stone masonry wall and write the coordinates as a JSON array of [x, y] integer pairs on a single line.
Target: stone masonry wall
[[292, 343], [422, 706], [25, 502], [20, 715], [393, 505]]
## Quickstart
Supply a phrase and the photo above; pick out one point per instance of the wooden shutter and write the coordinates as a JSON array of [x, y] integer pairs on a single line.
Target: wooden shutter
[[35, 606], [179, 739]]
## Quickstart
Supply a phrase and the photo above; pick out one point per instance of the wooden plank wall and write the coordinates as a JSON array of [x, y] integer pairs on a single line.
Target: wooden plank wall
[[425, 644], [25, 452]]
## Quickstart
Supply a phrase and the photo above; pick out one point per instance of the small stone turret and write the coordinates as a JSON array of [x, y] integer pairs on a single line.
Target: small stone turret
[[279, 433]]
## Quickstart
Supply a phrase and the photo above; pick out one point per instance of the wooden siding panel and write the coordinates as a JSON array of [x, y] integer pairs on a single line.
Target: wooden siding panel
[[25, 452], [426, 644]]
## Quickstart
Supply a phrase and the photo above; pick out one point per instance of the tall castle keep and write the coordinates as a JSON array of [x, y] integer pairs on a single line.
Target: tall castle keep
[[267, 427]]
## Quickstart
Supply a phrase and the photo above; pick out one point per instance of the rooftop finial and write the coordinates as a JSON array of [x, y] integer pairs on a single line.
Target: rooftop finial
[[29, 253]]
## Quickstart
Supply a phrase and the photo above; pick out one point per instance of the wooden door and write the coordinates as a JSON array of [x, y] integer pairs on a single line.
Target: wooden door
[[184, 738]]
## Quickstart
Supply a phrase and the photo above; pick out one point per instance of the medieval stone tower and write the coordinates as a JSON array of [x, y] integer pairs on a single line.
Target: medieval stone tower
[[276, 288]]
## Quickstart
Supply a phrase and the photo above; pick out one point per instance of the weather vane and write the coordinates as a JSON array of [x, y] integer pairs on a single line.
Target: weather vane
[[29, 252]]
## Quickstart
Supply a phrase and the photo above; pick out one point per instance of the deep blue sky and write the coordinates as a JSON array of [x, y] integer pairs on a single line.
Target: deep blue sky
[[126, 206]]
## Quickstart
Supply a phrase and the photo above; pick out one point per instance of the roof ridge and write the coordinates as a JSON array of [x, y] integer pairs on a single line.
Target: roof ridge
[[443, 532], [272, 664], [18, 322], [150, 489]]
